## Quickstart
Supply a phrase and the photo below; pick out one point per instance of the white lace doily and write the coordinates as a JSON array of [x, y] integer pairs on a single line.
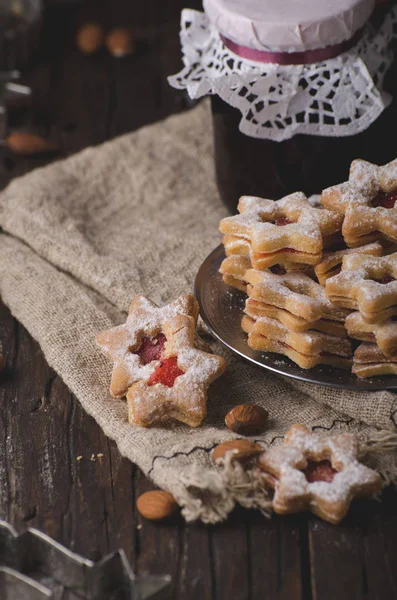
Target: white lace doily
[[338, 97]]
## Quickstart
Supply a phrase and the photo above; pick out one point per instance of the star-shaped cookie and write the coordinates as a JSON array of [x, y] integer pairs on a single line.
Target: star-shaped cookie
[[286, 230], [368, 202], [368, 284], [320, 474], [293, 292], [331, 262], [369, 361], [137, 343], [177, 387], [383, 334]]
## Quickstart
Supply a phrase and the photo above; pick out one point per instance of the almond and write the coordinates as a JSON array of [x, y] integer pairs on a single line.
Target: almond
[[242, 450], [25, 143], [156, 505], [120, 42], [90, 38], [247, 419]]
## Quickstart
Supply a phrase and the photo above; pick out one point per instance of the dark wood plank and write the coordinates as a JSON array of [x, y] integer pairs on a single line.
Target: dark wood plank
[[279, 558], [230, 557], [357, 558], [380, 551], [34, 410], [159, 545]]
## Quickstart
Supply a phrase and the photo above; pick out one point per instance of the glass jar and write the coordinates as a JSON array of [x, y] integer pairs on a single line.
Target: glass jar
[[298, 90]]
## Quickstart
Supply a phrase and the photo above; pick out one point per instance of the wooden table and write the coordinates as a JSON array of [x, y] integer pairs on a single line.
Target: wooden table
[[89, 504]]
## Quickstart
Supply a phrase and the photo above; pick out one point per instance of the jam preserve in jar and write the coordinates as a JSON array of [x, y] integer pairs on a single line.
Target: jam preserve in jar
[[298, 90]]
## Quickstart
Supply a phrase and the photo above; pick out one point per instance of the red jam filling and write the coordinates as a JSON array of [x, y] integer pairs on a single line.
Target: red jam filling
[[385, 280], [280, 221], [166, 372], [290, 250], [319, 471], [385, 199], [151, 348]]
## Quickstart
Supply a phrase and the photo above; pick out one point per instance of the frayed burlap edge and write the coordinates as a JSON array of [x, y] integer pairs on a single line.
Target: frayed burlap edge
[[210, 494]]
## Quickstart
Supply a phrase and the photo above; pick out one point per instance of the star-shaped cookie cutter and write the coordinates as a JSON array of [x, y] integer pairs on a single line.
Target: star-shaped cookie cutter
[[184, 398], [297, 488], [35, 567], [145, 319], [365, 201], [368, 284]]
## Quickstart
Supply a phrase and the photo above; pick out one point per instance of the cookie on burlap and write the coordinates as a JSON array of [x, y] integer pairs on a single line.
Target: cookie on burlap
[[177, 388], [135, 347], [316, 473]]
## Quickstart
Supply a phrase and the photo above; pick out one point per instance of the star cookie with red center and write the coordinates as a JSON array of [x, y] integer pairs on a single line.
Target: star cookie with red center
[[306, 349], [369, 361], [295, 293], [383, 334], [331, 262], [235, 245], [367, 201], [177, 387], [316, 473], [233, 270], [256, 309], [367, 284], [136, 346], [282, 231]]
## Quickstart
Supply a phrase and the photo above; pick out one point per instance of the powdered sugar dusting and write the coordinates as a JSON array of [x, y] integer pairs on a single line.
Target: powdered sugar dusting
[[328, 499], [295, 292], [186, 399], [359, 282], [355, 198], [145, 319]]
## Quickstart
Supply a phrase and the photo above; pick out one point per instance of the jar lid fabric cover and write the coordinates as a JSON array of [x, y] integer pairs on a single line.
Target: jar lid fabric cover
[[288, 25]]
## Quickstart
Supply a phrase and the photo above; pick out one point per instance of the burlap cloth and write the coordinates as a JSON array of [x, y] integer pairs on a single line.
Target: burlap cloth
[[138, 215]]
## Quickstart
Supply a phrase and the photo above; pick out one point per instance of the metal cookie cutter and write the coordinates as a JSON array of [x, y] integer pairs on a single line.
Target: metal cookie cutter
[[35, 567]]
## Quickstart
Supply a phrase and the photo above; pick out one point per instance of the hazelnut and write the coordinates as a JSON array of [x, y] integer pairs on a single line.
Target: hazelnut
[[156, 505], [120, 42], [25, 143], [90, 38], [241, 449], [247, 419]]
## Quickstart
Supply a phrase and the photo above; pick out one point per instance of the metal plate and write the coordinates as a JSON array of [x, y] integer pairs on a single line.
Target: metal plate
[[221, 308]]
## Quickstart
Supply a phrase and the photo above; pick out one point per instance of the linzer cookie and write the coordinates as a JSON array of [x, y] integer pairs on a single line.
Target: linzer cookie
[[305, 349], [176, 386], [233, 270], [367, 202], [295, 293], [367, 284], [255, 309], [289, 230], [383, 334], [370, 361], [234, 244], [136, 346], [331, 262], [316, 473]]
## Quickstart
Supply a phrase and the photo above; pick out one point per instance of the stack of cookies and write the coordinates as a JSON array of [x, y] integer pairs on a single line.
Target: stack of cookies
[[305, 269]]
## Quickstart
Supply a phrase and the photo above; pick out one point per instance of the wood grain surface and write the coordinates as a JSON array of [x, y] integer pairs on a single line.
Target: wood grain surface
[[58, 472]]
